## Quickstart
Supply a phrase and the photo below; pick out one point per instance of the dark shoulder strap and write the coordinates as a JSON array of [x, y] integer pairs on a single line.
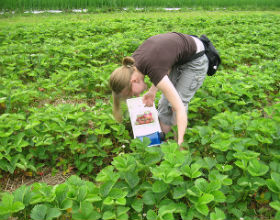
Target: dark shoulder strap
[[193, 57]]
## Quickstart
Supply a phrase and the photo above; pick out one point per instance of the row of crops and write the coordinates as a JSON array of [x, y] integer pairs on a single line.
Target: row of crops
[[116, 4], [55, 112]]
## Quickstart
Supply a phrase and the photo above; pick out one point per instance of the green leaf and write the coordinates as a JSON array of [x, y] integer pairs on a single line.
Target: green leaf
[[117, 193], [23, 194], [188, 214], [236, 212], [205, 198], [246, 155], [107, 174], [93, 198], [205, 134], [42, 193], [179, 192], [165, 172], [227, 182], [230, 198], [108, 201], [9, 206], [32, 124], [213, 186], [39, 212], [275, 205], [222, 145], [244, 181], [256, 168], [159, 186], [166, 209], [53, 213], [75, 180], [109, 215], [121, 201], [137, 205], [201, 184], [176, 159], [217, 215], [124, 163], [272, 186], [149, 198], [169, 148], [241, 164], [202, 208], [122, 210], [277, 216], [219, 196], [61, 194], [123, 217], [66, 204], [168, 216], [210, 162], [151, 215], [206, 187], [132, 179], [276, 177], [224, 168], [151, 159], [85, 212], [106, 187], [43, 212], [192, 172], [194, 191], [82, 193]]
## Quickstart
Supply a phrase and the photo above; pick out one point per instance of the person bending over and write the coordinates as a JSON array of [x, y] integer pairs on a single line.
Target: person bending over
[[167, 60]]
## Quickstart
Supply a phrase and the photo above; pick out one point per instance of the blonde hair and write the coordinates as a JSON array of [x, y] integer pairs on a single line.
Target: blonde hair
[[119, 80]]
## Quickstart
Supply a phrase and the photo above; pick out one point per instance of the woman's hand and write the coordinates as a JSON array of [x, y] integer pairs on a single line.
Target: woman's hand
[[180, 141], [148, 99]]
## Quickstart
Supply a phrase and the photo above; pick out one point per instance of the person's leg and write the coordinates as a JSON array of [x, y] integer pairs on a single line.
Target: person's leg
[[190, 79]]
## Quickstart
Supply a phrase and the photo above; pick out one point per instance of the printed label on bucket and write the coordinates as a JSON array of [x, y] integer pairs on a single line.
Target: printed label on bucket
[[144, 120]]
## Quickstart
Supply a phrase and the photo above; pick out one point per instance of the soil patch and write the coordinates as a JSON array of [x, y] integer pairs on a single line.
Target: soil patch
[[10, 183]]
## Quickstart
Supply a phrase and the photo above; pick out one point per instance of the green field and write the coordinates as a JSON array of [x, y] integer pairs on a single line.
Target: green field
[[55, 112], [117, 4]]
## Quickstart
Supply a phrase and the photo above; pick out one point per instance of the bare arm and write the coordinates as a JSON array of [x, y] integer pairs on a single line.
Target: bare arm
[[173, 97]]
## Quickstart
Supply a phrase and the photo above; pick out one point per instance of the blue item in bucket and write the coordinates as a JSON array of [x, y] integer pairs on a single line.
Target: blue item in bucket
[[156, 138]]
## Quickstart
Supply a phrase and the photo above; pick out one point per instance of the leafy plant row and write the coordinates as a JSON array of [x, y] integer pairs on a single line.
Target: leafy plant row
[[60, 136], [153, 183]]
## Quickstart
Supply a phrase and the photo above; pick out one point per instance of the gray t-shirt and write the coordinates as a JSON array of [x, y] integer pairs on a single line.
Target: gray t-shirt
[[159, 53]]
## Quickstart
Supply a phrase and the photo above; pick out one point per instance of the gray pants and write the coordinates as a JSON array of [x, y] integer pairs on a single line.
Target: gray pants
[[187, 79]]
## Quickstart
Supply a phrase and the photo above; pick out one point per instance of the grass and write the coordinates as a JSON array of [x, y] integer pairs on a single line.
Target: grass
[[18, 19], [114, 4]]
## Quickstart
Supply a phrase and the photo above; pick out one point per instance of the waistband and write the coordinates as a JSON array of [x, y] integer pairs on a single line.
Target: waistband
[[199, 44]]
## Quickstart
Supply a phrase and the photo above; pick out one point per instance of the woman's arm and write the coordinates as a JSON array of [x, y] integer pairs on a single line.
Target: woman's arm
[[173, 97]]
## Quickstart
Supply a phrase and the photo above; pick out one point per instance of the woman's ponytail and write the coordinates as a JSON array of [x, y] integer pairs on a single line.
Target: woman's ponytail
[[117, 107], [128, 62]]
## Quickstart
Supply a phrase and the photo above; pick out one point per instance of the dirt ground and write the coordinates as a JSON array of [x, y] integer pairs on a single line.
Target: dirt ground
[[9, 183]]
